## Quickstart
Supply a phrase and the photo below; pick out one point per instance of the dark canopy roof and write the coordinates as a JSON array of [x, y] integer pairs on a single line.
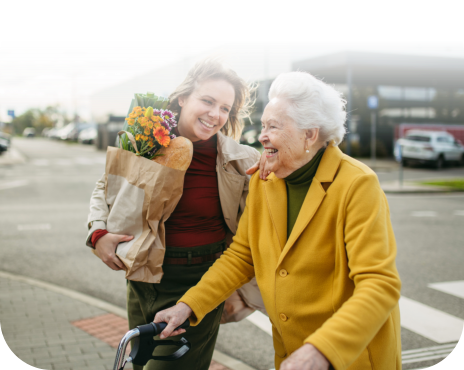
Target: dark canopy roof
[[386, 69]]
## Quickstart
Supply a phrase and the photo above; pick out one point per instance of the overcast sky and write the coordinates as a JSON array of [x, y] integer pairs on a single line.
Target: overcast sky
[[37, 74]]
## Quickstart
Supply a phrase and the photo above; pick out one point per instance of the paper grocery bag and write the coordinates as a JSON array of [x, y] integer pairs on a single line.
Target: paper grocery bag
[[141, 195]]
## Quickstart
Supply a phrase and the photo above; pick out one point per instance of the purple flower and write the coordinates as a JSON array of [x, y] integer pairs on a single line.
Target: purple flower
[[172, 122], [173, 136], [167, 114], [166, 125]]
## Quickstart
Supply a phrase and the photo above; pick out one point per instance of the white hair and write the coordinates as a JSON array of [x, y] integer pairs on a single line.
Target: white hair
[[312, 104]]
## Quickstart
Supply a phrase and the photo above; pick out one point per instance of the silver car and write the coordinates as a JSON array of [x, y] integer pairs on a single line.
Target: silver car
[[434, 147]]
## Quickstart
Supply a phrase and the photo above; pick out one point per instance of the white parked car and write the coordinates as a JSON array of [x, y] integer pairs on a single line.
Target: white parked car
[[434, 147]]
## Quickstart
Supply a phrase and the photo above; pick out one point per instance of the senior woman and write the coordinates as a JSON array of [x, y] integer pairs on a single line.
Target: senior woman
[[317, 235]]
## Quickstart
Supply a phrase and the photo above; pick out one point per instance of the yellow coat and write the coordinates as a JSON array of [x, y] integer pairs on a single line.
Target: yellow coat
[[333, 283]]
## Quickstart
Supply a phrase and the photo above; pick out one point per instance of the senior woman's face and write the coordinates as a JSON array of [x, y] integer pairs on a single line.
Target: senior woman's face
[[285, 144]]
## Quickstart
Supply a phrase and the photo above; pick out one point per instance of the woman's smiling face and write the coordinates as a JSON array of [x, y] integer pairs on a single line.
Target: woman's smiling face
[[206, 110], [285, 144]]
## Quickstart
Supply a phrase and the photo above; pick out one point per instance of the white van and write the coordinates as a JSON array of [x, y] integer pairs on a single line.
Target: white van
[[434, 147]]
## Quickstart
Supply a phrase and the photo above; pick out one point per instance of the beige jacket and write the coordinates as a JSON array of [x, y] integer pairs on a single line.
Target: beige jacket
[[232, 161]]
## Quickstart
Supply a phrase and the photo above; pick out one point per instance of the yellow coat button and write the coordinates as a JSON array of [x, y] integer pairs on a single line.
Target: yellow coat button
[[283, 273], [283, 317]]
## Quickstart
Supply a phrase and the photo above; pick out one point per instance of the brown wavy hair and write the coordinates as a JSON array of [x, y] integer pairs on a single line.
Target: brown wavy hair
[[213, 69]]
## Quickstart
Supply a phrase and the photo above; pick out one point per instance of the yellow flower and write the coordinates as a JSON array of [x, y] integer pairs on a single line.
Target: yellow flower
[[130, 122], [133, 115], [149, 112], [144, 138], [146, 131], [150, 124], [143, 121], [150, 144], [137, 137]]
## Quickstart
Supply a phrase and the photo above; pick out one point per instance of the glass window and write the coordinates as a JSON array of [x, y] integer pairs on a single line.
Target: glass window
[[424, 139]]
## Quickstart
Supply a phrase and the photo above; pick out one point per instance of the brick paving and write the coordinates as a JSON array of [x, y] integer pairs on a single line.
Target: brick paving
[[52, 331]]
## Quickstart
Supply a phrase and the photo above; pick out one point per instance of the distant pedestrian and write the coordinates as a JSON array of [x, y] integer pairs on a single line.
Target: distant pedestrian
[[317, 235]]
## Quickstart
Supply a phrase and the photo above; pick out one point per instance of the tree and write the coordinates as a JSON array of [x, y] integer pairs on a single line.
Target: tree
[[39, 119]]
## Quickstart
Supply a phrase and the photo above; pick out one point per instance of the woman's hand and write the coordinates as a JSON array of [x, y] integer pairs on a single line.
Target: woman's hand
[[261, 165], [174, 317], [306, 357], [106, 249]]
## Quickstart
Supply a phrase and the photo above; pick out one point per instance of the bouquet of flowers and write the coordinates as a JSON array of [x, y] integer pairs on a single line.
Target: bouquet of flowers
[[144, 181], [151, 128]]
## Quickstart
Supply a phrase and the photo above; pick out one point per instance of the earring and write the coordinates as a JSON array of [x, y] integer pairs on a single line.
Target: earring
[[307, 150]]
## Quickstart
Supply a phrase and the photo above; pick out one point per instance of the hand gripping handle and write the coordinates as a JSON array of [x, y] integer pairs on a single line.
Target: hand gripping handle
[[144, 345]]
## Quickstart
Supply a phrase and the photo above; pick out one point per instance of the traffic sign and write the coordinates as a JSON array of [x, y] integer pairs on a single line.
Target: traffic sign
[[11, 113], [373, 102]]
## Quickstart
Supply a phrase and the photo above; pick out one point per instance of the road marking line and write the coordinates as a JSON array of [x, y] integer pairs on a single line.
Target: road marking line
[[34, 227], [458, 213], [428, 349], [424, 214], [261, 321], [63, 162], [40, 162], [455, 288], [230, 362], [13, 184], [430, 322], [427, 353]]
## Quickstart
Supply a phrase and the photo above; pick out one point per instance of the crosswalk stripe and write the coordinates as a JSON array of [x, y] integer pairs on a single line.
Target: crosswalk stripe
[[455, 288], [410, 352], [428, 353], [430, 322], [13, 184], [261, 321]]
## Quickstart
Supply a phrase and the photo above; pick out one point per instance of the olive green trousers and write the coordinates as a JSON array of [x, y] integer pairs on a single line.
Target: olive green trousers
[[144, 300]]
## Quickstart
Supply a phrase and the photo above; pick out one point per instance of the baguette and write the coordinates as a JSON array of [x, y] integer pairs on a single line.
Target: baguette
[[177, 155]]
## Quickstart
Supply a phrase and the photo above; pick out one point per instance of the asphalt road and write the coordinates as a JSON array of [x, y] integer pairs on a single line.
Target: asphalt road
[[43, 213]]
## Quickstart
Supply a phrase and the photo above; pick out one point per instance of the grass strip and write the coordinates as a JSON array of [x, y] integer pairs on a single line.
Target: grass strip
[[454, 184]]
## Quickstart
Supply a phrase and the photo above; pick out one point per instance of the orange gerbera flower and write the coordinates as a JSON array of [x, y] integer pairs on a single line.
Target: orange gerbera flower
[[162, 136]]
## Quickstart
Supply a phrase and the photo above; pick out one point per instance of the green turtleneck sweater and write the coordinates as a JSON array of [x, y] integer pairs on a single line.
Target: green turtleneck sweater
[[297, 187]]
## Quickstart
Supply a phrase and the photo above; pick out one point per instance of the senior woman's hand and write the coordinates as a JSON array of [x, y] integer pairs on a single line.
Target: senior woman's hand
[[261, 165], [174, 317], [306, 357]]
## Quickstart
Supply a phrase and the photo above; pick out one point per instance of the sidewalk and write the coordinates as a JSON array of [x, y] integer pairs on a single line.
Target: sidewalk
[[52, 328]]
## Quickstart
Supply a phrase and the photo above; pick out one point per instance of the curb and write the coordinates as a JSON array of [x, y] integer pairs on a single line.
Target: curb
[[223, 359]]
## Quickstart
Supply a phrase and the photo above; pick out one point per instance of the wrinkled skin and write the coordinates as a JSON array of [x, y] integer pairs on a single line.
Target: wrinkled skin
[[280, 132], [307, 357]]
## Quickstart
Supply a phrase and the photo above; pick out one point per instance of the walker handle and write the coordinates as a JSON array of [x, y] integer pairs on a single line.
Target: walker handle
[[160, 326]]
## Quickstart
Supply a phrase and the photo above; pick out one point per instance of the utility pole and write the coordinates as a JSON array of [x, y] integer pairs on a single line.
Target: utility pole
[[373, 104]]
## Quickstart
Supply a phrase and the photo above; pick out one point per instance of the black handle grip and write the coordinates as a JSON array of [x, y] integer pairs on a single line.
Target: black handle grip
[[160, 326]]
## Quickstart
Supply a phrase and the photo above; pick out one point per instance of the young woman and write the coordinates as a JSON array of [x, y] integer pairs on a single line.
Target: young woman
[[210, 105]]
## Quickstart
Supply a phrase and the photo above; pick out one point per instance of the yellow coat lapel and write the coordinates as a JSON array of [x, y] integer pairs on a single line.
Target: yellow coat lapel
[[325, 173], [276, 197]]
